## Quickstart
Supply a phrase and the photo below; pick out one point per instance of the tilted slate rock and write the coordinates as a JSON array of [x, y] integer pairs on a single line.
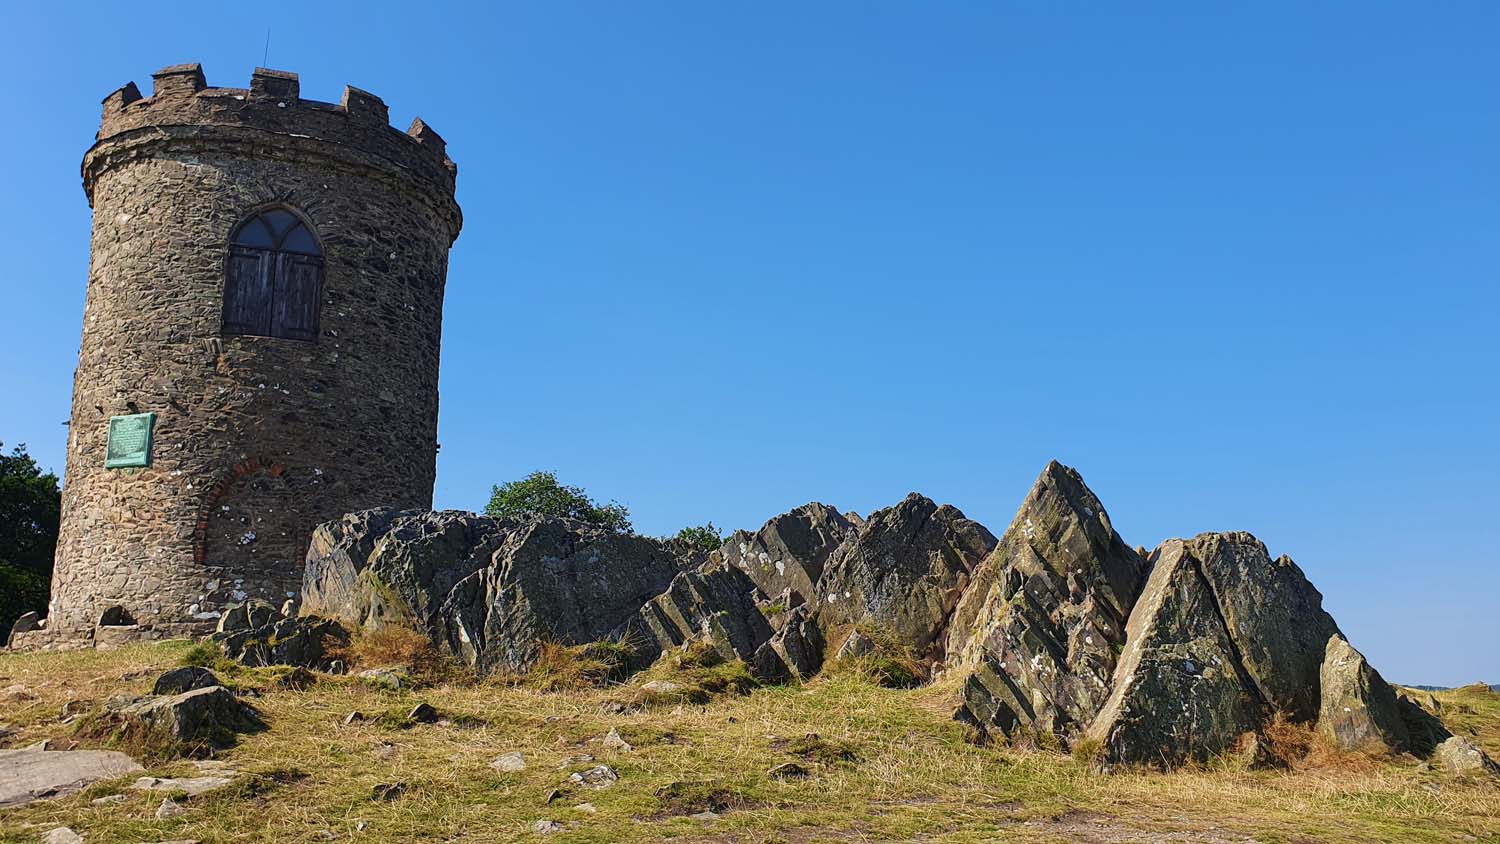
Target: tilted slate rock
[[1359, 710], [306, 641], [798, 646], [790, 551], [1273, 614], [903, 570], [1037, 633], [1179, 692], [339, 549], [718, 605], [250, 615]]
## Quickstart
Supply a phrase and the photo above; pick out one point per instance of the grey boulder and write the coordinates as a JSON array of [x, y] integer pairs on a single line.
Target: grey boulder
[[1179, 692], [211, 715], [1461, 758], [1359, 710]]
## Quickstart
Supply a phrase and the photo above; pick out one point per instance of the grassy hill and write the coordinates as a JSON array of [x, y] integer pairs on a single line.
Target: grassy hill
[[885, 765]]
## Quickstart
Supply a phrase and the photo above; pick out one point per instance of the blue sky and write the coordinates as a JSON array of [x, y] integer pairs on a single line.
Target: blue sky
[[1237, 263]]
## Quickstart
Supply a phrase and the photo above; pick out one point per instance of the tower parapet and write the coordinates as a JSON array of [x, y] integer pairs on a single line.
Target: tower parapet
[[260, 344], [356, 131]]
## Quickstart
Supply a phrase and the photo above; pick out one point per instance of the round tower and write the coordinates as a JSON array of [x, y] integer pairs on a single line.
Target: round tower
[[260, 344]]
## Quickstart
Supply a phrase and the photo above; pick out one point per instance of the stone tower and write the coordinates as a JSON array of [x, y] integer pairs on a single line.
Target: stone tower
[[260, 344]]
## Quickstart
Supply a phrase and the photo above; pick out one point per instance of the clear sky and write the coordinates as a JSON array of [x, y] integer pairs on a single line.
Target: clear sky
[[1237, 263]]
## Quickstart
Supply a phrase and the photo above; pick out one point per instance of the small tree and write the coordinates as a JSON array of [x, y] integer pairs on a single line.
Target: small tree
[[704, 537], [30, 506], [541, 493]]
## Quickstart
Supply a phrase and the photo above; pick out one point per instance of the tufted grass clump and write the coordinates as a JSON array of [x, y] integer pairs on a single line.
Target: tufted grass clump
[[398, 646], [209, 655], [562, 668], [693, 673]]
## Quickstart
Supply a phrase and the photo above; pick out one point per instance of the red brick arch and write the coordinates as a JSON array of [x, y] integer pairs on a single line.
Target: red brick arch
[[216, 492]]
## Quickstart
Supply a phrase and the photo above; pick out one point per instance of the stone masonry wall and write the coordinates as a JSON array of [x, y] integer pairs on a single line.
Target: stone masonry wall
[[257, 439]]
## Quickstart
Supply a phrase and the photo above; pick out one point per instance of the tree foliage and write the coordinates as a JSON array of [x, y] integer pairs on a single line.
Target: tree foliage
[[30, 506], [541, 493], [705, 537]]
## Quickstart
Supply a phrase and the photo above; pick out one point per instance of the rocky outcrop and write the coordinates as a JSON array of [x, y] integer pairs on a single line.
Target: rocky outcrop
[[380, 567], [1058, 629], [1179, 690], [902, 570], [789, 552], [719, 605], [1273, 614], [1359, 711], [715, 605], [1037, 634], [490, 591]]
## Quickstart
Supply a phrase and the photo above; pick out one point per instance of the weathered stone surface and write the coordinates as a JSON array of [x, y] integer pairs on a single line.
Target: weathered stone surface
[[795, 650], [257, 439], [1273, 614], [1179, 693], [212, 715], [490, 591], [307, 641], [185, 679], [903, 571], [338, 551], [716, 605], [30, 775], [62, 835], [1459, 757], [509, 763], [384, 567], [1359, 710], [790, 551], [1037, 633], [191, 786]]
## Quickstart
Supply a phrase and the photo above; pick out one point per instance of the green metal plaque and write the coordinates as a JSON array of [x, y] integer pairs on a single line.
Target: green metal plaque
[[129, 441]]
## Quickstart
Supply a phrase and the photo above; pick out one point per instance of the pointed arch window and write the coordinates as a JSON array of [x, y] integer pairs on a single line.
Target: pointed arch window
[[274, 280]]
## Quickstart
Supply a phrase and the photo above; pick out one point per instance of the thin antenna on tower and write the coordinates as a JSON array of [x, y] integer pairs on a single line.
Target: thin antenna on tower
[[265, 58]]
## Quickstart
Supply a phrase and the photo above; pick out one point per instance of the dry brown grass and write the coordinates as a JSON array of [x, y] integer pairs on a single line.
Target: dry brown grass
[[1305, 748], [913, 776], [398, 646]]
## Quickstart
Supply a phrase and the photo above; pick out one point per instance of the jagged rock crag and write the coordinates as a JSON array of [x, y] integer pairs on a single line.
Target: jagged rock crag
[[491, 591], [1059, 630], [1037, 635]]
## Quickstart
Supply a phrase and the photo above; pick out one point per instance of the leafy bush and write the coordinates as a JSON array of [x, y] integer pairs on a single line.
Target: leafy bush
[[704, 537], [30, 507], [541, 493]]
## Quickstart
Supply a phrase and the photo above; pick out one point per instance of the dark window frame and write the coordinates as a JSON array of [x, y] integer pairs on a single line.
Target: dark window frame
[[273, 277]]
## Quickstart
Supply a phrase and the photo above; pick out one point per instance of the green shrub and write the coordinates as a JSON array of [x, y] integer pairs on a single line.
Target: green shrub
[[540, 493]]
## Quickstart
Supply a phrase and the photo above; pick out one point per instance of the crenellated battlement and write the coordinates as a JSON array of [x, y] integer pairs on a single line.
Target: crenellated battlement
[[359, 122]]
